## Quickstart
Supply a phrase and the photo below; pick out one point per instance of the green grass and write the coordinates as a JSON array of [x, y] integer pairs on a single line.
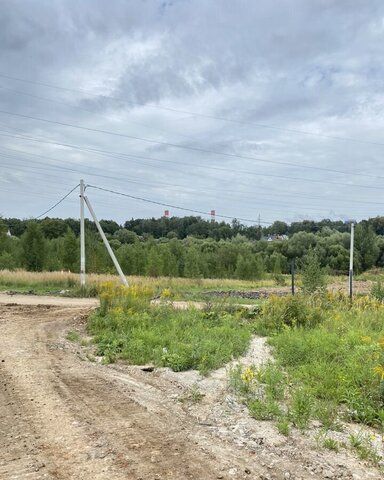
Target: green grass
[[127, 327], [363, 445], [73, 336], [329, 363], [46, 283]]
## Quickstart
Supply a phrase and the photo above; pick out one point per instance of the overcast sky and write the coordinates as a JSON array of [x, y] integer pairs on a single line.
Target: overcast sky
[[270, 108]]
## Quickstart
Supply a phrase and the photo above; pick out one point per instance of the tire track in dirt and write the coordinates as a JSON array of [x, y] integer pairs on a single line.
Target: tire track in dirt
[[62, 418]]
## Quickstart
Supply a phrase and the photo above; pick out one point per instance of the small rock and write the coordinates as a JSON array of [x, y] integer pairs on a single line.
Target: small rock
[[147, 368], [247, 471]]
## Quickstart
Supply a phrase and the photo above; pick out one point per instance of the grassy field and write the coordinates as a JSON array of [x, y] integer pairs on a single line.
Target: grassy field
[[328, 367], [182, 288]]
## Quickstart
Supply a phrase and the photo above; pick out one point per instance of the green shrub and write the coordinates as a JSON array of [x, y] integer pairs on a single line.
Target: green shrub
[[264, 409], [301, 408], [283, 426], [292, 311], [377, 290], [128, 327], [312, 275]]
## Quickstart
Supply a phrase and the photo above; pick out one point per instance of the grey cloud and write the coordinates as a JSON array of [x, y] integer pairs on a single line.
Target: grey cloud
[[297, 65]]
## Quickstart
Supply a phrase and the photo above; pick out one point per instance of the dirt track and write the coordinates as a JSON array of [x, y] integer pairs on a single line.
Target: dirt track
[[64, 417]]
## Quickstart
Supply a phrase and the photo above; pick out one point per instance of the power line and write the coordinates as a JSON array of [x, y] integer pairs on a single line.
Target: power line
[[209, 167], [108, 117], [169, 205], [196, 114], [57, 203], [44, 167], [176, 145]]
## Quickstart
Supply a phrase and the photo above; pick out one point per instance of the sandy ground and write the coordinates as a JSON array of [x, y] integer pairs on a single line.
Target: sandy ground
[[20, 299], [63, 416]]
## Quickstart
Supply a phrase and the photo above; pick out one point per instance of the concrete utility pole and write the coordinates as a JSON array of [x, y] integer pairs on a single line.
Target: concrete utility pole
[[106, 243], [351, 261], [82, 237]]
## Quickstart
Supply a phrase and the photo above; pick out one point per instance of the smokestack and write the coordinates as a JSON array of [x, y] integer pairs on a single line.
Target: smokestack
[[166, 213], [213, 215]]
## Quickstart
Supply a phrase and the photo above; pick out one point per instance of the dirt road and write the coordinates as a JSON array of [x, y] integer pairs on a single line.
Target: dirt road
[[65, 417]]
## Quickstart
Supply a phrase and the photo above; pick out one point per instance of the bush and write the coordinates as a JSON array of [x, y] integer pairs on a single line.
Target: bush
[[313, 276], [377, 291], [292, 311]]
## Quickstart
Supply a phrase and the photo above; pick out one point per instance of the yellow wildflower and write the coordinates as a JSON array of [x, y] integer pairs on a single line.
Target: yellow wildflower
[[366, 339], [379, 370], [248, 375]]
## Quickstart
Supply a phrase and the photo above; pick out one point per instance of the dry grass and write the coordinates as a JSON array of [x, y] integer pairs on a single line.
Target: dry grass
[[44, 281], [58, 279], [63, 279]]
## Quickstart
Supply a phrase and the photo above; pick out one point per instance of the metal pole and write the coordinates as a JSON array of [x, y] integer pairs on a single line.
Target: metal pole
[[351, 261], [293, 276], [82, 236], [106, 243]]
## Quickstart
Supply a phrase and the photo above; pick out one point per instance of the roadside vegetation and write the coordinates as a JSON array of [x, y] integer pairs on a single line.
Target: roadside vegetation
[[328, 367], [128, 327]]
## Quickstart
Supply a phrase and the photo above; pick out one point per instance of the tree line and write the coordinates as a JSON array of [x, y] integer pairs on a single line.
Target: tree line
[[190, 246]]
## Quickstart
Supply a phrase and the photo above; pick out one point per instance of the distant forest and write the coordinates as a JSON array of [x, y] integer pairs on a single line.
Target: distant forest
[[190, 246]]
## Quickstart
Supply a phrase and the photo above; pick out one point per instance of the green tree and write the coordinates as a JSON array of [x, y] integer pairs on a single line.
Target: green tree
[[249, 268], [279, 228], [170, 268], [33, 247], [7, 261], [126, 236], [192, 263], [313, 276], [243, 268], [367, 249], [71, 256], [154, 267]]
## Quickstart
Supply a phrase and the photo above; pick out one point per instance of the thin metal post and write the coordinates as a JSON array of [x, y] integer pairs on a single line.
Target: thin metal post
[[293, 276], [82, 236], [106, 243], [351, 262]]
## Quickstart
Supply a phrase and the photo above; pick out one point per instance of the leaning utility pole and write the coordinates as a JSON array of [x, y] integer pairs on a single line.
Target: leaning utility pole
[[82, 237], [106, 243], [351, 261]]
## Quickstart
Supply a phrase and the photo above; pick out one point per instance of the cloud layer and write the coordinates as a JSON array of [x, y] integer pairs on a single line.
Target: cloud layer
[[250, 108]]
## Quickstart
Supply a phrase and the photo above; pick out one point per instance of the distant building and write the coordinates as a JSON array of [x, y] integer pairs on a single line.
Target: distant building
[[272, 238]]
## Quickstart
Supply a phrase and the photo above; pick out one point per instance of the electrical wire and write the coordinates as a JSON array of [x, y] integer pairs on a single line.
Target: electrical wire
[[176, 145], [44, 167], [57, 203], [195, 114], [209, 167], [169, 205]]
